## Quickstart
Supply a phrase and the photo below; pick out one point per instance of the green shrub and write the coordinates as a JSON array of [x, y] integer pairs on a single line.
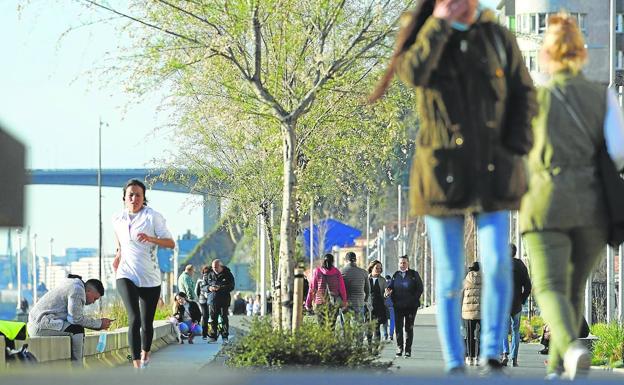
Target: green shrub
[[311, 345], [117, 311], [609, 348], [531, 330]]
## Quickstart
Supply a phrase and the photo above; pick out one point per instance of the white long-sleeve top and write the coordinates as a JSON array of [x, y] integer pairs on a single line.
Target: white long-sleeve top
[[614, 129], [138, 259]]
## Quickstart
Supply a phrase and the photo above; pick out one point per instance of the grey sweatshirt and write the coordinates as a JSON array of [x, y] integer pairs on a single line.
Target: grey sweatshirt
[[356, 283], [64, 303]]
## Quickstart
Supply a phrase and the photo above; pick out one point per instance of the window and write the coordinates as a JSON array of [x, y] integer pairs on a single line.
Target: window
[[511, 23], [619, 60], [532, 26], [541, 22], [530, 60], [581, 22], [619, 23]]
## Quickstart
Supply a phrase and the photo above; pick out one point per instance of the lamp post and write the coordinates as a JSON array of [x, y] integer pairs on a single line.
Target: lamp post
[[49, 269], [19, 267], [311, 237], [34, 269]]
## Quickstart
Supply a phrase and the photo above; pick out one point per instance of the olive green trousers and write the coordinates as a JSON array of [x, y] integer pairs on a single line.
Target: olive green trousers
[[560, 263]]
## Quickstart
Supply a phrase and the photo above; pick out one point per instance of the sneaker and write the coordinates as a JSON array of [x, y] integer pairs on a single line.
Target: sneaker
[[576, 360], [514, 362], [211, 340], [408, 354], [456, 371], [225, 340], [493, 367], [468, 361], [204, 338], [399, 352], [504, 359], [554, 376]]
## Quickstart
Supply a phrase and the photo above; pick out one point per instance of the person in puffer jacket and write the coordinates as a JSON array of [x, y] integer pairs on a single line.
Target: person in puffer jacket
[[327, 288], [471, 312]]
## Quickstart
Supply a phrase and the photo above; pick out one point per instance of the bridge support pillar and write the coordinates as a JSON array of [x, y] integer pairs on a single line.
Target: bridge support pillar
[[212, 212]]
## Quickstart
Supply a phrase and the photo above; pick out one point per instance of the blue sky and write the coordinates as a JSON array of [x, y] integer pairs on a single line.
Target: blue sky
[[51, 103]]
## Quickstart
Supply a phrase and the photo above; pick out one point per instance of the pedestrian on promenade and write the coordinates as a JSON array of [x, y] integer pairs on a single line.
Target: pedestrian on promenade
[[564, 238], [471, 312], [521, 292], [139, 230], [249, 306], [238, 307], [220, 284], [202, 292], [467, 71], [357, 287], [186, 317], [257, 304], [186, 283], [405, 289], [377, 283], [61, 312], [390, 312], [327, 292]]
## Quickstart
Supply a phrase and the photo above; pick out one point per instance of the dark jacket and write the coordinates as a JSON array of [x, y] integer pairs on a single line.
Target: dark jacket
[[522, 286], [240, 307], [193, 309], [475, 100], [406, 291], [225, 282]]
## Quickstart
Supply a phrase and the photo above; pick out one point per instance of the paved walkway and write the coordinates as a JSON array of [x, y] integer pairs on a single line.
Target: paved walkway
[[426, 360], [181, 364], [427, 356]]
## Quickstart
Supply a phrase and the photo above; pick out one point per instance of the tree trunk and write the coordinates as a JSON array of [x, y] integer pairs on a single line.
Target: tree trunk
[[286, 250]]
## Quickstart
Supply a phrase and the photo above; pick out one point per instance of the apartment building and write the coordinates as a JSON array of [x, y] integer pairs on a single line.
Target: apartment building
[[529, 19]]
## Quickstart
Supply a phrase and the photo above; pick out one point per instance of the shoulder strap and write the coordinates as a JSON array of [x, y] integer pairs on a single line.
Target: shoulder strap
[[499, 46], [556, 92]]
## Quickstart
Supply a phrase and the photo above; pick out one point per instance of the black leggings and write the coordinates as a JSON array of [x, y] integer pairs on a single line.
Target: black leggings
[[140, 303]]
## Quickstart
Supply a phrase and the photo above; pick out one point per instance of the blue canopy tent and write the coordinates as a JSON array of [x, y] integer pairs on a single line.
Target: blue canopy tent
[[336, 234]]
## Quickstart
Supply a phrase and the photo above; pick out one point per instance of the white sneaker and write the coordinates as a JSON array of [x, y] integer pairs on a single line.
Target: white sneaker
[[576, 360]]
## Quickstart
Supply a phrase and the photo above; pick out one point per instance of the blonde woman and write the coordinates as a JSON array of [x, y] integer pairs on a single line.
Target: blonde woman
[[563, 216]]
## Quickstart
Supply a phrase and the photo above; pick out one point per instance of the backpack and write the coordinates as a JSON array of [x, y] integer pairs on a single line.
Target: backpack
[[11, 331]]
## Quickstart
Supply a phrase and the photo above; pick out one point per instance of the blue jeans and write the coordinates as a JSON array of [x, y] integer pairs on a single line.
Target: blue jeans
[[515, 335], [447, 243]]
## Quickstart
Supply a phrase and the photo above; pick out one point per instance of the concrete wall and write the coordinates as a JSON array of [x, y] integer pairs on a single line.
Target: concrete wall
[[56, 350]]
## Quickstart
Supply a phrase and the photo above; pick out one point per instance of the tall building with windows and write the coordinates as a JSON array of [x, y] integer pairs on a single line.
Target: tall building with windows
[[529, 19]]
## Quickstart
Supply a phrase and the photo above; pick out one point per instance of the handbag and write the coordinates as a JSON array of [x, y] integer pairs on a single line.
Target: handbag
[[612, 182]]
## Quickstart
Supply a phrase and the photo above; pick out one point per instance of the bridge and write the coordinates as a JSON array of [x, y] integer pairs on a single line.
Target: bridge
[[118, 177]]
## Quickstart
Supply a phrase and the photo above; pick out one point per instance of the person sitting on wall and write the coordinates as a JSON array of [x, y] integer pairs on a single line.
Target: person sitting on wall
[[60, 312]]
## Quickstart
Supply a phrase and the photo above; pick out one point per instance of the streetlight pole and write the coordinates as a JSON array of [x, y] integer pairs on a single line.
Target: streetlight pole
[[399, 235], [612, 43], [262, 270], [311, 237], [367, 224], [49, 270], [99, 182], [34, 268], [19, 267]]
